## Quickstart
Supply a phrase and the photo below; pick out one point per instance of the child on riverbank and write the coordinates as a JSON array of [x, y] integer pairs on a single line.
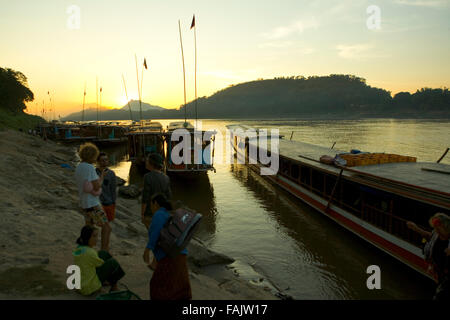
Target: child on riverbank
[[109, 186]]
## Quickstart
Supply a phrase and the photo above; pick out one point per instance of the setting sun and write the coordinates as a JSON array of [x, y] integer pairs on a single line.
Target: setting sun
[[123, 101]]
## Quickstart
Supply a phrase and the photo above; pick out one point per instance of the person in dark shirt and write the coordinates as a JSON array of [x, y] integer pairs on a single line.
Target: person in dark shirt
[[437, 252], [109, 186], [155, 181]]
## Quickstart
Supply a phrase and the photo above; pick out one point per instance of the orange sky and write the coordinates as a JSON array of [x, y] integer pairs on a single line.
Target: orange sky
[[237, 42]]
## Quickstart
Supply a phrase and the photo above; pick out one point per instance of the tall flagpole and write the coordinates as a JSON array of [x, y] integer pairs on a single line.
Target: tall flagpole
[[184, 73], [96, 94], [84, 98], [139, 91], [51, 106], [101, 92], [126, 95], [50, 113], [195, 73], [142, 76], [100, 126]]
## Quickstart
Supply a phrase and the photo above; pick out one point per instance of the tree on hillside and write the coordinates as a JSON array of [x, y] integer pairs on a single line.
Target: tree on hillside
[[427, 99], [14, 91]]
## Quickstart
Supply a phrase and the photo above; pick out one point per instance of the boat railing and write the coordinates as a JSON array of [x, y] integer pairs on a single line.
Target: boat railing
[[390, 223], [357, 206]]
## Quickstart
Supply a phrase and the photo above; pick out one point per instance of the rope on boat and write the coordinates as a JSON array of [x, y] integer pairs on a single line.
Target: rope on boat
[[442, 157]]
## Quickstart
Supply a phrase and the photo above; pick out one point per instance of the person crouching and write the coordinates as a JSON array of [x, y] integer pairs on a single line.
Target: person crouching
[[96, 268]]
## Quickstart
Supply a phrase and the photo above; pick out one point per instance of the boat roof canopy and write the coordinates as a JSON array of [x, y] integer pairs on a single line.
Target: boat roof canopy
[[427, 179]]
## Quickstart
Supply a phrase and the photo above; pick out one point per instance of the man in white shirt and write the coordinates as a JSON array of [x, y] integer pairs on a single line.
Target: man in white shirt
[[89, 188]]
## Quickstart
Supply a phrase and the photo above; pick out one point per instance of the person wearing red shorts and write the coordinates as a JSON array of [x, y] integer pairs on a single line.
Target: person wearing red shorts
[[89, 185]]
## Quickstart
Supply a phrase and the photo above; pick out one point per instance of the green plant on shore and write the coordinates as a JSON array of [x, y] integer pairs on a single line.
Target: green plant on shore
[[19, 120]]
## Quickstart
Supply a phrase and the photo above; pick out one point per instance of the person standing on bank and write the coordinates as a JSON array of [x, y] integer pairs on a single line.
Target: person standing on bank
[[109, 186], [155, 181], [89, 188], [170, 279], [437, 252]]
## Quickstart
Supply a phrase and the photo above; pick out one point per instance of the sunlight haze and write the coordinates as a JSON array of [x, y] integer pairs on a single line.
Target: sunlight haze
[[237, 41]]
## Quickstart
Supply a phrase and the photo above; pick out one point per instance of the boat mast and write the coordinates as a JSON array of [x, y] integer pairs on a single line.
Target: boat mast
[[100, 104], [126, 95], [100, 127], [142, 81], [184, 73], [195, 72], [43, 109], [96, 94], [139, 91], [84, 98], [51, 106]]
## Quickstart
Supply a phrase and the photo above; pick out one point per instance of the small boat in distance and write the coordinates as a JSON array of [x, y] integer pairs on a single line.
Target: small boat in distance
[[371, 195]]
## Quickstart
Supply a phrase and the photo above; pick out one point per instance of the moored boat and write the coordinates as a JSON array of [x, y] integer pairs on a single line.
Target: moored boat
[[109, 134], [371, 195], [144, 139], [198, 164]]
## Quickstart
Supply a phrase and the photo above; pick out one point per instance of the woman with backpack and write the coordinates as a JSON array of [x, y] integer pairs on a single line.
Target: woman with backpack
[[170, 280]]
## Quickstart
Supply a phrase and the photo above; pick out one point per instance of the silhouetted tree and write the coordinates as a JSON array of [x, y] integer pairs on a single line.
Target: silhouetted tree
[[14, 91]]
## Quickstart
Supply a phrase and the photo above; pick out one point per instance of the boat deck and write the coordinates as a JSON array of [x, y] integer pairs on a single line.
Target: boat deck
[[422, 179]]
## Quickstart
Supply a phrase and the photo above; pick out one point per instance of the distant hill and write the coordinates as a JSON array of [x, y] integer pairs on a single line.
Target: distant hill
[[134, 104], [333, 96], [108, 113]]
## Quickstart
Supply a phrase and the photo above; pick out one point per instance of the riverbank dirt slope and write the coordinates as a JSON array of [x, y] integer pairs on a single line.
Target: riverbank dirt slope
[[40, 222]]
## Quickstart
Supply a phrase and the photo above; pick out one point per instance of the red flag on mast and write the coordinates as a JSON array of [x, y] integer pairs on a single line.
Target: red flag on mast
[[193, 22]]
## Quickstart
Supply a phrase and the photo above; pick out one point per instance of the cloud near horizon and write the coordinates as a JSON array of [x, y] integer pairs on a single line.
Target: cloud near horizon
[[424, 3], [358, 51], [296, 27]]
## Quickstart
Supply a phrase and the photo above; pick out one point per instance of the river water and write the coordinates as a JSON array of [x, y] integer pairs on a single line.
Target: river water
[[275, 237]]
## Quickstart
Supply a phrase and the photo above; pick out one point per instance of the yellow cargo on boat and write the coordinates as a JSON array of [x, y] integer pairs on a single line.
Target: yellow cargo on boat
[[366, 159]]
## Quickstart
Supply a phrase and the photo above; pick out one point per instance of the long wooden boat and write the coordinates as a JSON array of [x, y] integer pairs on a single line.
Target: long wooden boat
[[63, 131], [144, 138], [191, 168], [102, 134], [371, 198], [109, 134]]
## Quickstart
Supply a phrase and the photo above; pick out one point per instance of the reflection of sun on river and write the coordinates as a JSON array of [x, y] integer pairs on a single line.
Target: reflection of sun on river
[[273, 235]]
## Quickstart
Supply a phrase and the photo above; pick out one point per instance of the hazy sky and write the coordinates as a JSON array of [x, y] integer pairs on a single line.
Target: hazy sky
[[237, 41]]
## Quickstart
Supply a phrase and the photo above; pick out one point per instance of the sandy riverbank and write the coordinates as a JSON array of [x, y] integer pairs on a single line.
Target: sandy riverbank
[[41, 221]]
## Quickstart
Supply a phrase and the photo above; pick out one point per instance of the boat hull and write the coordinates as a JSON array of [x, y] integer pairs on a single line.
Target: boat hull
[[397, 248], [405, 252]]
